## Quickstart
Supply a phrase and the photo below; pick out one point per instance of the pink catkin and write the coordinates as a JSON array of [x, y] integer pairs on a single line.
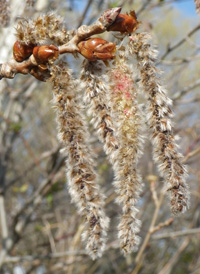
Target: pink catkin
[[125, 113]]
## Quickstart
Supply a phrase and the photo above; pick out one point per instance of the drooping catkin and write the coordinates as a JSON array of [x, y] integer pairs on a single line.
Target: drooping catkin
[[125, 112], [80, 171], [44, 28], [96, 100], [166, 153]]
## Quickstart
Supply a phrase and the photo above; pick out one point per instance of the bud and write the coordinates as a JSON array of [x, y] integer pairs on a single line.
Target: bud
[[22, 51], [40, 73], [109, 16], [46, 53], [124, 23], [97, 49]]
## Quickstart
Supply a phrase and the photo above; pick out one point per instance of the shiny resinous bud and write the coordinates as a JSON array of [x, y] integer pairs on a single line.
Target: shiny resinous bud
[[124, 23], [45, 53], [97, 49], [22, 51]]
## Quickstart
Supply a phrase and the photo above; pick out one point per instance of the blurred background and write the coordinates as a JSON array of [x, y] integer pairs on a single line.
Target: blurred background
[[40, 229]]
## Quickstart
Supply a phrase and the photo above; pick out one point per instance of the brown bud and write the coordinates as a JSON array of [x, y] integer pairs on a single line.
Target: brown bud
[[97, 49], [22, 51], [109, 16], [46, 53], [40, 74], [124, 23]]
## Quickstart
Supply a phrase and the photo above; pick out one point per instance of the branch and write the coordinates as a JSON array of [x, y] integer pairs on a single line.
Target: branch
[[30, 258], [149, 233], [176, 234], [176, 62], [180, 42], [182, 92], [143, 7], [45, 155], [12, 67], [23, 216], [85, 12], [170, 264]]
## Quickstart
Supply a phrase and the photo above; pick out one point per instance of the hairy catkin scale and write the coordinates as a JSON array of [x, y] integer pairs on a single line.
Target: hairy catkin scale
[[42, 29], [96, 100], [158, 114], [80, 171], [4, 13], [126, 114]]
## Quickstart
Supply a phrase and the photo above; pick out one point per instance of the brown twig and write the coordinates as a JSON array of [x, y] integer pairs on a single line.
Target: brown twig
[[151, 227], [161, 225]]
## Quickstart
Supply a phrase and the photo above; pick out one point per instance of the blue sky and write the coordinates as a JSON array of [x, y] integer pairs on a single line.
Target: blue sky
[[186, 6]]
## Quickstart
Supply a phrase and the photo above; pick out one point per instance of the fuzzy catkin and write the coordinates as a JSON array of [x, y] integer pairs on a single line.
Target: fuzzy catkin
[[42, 29], [80, 172], [125, 112], [96, 100], [165, 149]]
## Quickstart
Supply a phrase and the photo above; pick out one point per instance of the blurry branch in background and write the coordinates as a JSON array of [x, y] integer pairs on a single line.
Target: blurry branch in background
[[7, 141], [185, 90], [45, 155], [144, 6], [9, 135], [180, 42], [191, 154], [152, 227], [174, 259], [15, 259], [176, 61], [23, 216], [176, 234], [84, 13]]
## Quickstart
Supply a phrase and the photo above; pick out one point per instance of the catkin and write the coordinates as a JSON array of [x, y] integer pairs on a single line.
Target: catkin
[[96, 101], [80, 166], [43, 29], [158, 109], [126, 113]]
